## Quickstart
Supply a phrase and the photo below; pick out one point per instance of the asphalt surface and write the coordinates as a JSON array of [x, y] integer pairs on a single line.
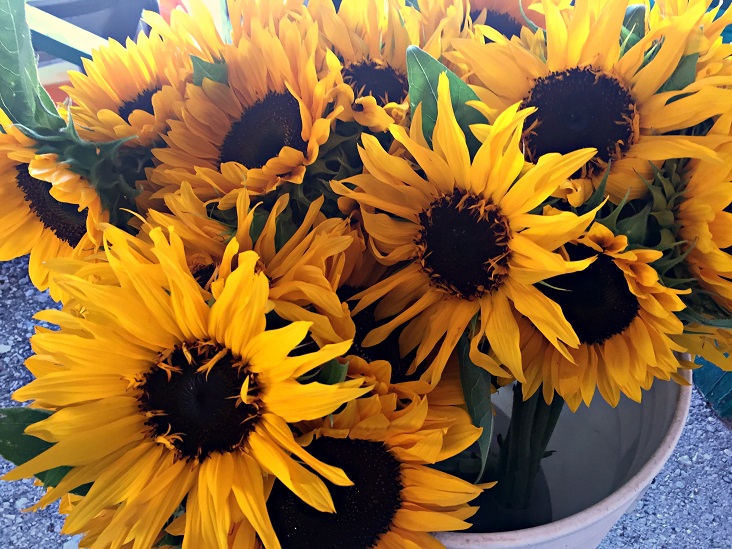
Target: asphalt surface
[[689, 504]]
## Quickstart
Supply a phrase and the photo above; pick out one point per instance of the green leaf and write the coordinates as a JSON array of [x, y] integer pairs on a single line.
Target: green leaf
[[683, 75], [627, 40], [169, 540], [635, 227], [21, 95], [285, 227], [476, 384], [54, 476], [17, 447], [332, 372], [651, 53], [258, 223], [218, 72], [611, 220], [635, 20], [423, 72]]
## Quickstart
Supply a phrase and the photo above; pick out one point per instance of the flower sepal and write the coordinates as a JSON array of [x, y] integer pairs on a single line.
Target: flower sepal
[[108, 166]]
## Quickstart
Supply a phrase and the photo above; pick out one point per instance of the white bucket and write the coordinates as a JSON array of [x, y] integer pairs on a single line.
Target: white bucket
[[605, 460]]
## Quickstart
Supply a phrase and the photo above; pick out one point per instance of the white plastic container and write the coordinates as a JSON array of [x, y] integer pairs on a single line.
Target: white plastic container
[[606, 458]]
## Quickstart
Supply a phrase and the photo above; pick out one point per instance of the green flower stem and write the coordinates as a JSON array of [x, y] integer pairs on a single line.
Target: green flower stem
[[531, 427]]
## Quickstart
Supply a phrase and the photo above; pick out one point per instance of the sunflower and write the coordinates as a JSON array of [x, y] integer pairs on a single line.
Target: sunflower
[[710, 343], [462, 238], [439, 22], [704, 217], [382, 364], [129, 91], [185, 401], [590, 92], [304, 272], [715, 57], [45, 209], [395, 500], [96, 527], [196, 29], [264, 13], [387, 375], [267, 123], [192, 28], [505, 16], [204, 237], [624, 318], [371, 40]]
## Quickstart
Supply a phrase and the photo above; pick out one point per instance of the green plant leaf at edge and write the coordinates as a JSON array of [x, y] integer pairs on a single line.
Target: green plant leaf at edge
[[18, 448], [21, 95], [476, 383], [423, 72], [683, 75], [218, 72], [333, 372]]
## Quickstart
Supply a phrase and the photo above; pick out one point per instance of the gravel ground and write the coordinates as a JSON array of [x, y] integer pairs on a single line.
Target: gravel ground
[[689, 504]]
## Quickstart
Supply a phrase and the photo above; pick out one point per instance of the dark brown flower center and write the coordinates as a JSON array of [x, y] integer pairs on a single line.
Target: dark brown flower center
[[383, 82], [364, 511], [597, 301], [203, 273], [65, 220], [579, 108], [201, 412], [463, 244], [142, 102], [263, 130], [504, 23]]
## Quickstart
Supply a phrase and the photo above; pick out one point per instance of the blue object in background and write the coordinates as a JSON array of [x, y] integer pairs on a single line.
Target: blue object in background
[[716, 386], [727, 33], [70, 29]]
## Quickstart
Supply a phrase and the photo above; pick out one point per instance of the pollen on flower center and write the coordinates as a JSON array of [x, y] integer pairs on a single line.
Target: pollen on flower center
[[463, 244], [65, 220], [364, 511], [143, 102], [596, 301], [383, 82], [263, 130], [200, 412], [579, 108]]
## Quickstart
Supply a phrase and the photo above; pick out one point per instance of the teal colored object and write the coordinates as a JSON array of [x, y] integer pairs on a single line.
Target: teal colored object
[[727, 32], [716, 386], [727, 35]]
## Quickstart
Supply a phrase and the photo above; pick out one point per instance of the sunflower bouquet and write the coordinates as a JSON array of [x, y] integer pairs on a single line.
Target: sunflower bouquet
[[296, 253]]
